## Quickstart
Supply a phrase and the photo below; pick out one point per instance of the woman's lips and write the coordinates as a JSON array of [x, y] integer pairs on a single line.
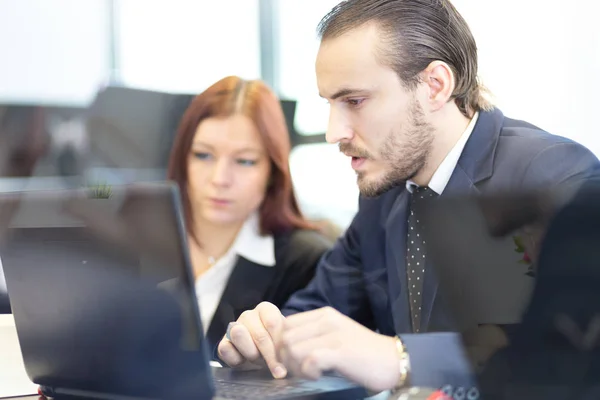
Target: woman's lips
[[219, 202]]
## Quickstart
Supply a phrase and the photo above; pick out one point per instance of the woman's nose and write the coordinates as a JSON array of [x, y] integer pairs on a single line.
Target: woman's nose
[[222, 174]]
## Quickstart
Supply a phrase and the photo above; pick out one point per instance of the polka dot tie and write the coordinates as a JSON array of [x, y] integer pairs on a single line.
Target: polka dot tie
[[415, 255]]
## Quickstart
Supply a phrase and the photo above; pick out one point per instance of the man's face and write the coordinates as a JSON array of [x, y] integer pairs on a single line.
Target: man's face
[[374, 118]]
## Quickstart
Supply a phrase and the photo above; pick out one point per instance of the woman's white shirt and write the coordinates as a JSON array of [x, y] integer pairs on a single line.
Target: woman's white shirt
[[248, 244]]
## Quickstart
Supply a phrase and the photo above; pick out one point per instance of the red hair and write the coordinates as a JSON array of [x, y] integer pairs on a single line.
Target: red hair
[[279, 211]]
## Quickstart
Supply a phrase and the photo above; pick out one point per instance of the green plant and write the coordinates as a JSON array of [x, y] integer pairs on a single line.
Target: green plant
[[100, 191]]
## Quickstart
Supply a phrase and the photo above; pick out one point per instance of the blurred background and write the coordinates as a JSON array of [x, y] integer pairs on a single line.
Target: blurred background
[[77, 61]]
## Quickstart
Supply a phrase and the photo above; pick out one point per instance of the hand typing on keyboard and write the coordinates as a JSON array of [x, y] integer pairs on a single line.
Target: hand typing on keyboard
[[249, 342], [309, 344]]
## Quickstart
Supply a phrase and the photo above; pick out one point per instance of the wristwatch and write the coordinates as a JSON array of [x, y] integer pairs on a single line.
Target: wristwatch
[[404, 365]]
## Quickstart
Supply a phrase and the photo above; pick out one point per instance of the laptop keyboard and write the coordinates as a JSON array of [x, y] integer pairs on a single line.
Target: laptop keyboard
[[258, 390]]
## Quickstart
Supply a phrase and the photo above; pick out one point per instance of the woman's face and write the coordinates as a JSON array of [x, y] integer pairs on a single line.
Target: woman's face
[[228, 170]]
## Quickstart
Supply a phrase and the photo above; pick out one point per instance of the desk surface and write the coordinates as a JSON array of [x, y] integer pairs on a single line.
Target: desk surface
[[13, 377]]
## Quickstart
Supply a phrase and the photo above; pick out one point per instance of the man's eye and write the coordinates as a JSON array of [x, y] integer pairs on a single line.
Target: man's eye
[[355, 102]]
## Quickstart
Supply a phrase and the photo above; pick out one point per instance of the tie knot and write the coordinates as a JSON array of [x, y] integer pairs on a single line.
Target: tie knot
[[423, 192]]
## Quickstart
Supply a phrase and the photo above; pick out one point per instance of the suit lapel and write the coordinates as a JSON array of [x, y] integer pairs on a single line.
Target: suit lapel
[[459, 184], [396, 260], [475, 164], [246, 287], [477, 158]]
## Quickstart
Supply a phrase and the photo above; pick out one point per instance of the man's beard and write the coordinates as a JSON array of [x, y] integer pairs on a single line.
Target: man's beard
[[405, 151]]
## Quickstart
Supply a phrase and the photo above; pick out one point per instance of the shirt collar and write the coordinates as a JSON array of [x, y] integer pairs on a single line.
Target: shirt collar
[[442, 174], [253, 246]]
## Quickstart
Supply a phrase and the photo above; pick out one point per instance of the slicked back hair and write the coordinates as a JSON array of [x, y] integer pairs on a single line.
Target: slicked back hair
[[415, 33]]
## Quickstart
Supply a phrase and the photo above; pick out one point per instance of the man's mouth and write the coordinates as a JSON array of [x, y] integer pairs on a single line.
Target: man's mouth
[[357, 162]]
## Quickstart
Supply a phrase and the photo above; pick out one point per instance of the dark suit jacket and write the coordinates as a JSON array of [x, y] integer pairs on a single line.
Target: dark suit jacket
[[364, 275], [296, 257], [543, 361]]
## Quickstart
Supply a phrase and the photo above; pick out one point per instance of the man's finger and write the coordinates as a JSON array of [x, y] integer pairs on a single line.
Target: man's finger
[[241, 338], [229, 354], [265, 347], [265, 333], [318, 362], [309, 316], [301, 333], [271, 319], [311, 357], [253, 341]]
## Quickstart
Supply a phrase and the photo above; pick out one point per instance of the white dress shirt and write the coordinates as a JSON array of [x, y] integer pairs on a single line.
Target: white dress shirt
[[248, 244], [443, 173]]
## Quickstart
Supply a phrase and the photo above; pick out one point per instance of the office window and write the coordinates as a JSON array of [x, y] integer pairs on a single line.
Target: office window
[[298, 45], [324, 181], [183, 45], [54, 52]]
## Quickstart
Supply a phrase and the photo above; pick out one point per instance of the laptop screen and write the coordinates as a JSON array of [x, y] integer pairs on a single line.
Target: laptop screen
[[101, 290]]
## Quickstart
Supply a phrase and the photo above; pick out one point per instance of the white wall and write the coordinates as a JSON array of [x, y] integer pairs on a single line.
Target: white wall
[[53, 51], [541, 60]]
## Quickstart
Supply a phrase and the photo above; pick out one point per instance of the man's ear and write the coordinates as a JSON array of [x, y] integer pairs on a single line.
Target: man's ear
[[439, 79]]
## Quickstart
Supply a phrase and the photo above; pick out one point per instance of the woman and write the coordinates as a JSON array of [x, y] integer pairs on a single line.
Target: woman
[[248, 240]]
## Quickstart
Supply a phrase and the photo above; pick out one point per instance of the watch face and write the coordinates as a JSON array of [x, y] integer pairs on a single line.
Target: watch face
[[404, 361]]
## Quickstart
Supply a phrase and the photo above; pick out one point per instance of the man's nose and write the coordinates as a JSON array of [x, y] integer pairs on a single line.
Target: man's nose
[[338, 129]]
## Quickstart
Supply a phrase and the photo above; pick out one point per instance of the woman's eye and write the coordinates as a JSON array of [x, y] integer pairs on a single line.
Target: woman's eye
[[202, 156], [246, 162]]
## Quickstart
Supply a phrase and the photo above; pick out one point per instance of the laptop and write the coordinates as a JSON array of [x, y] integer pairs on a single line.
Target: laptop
[[85, 271]]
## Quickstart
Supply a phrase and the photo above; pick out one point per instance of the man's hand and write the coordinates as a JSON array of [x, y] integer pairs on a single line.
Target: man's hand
[[309, 344], [322, 340], [251, 342]]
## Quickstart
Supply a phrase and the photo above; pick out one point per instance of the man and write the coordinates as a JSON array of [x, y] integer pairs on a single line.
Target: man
[[405, 104]]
